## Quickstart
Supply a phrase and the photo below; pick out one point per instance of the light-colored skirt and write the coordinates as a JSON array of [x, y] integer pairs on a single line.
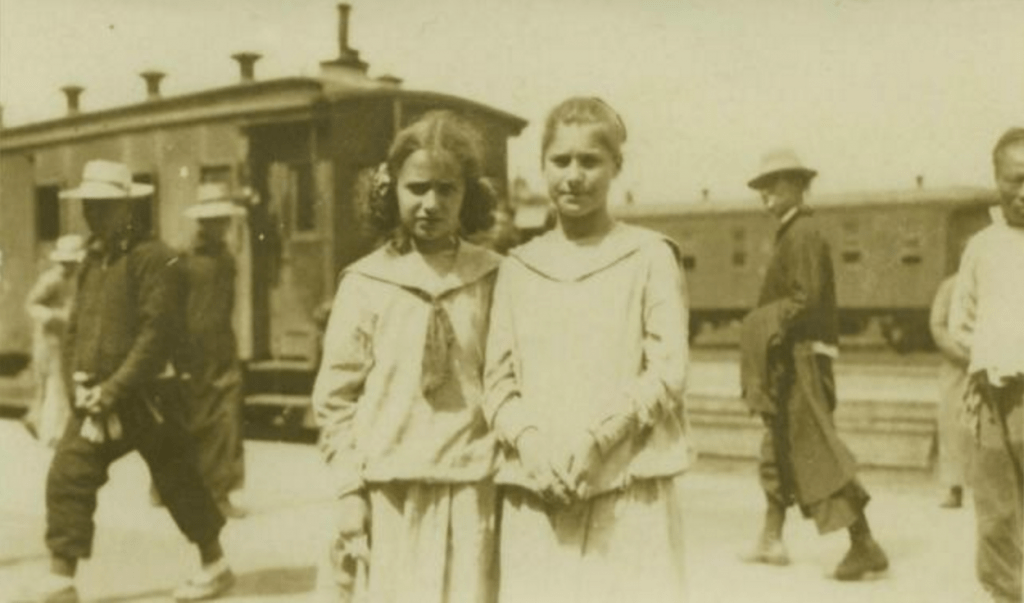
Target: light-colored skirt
[[430, 544], [621, 546]]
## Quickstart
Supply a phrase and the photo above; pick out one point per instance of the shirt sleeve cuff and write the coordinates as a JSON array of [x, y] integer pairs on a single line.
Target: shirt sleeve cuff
[[609, 432]]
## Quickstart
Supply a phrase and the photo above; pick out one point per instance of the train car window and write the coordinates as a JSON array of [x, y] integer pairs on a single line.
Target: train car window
[[851, 253], [215, 174], [305, 199], [47, 213], [910, 250], [739, 254]]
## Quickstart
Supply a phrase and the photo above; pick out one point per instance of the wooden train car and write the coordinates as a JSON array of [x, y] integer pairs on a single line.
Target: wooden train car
[[300, 150], [890, 251]]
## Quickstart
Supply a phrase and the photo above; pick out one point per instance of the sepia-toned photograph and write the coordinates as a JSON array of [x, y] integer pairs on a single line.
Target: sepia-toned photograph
[[547, 301]]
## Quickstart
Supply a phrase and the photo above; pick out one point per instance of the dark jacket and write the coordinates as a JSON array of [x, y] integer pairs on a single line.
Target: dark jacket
[[760, 348], [800, 280], [127, 317], [210, 279], [799, 290]]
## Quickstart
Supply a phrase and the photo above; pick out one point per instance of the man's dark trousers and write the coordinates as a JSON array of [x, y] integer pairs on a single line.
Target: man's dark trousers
[[80, 468]]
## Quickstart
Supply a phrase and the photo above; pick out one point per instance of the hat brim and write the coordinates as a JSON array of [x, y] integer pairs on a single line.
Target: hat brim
[[66, 256], [761, 180], [106, 190], [215, 209]]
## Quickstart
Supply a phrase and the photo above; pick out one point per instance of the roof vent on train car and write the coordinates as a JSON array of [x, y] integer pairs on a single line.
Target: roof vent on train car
[[73, 93], [246, 62], [348, 66], [152, 78], [392, 81]]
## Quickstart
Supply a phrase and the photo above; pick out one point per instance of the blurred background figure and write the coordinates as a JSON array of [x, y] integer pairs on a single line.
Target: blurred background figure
[[954, 436], [210, 355], [49, 306]]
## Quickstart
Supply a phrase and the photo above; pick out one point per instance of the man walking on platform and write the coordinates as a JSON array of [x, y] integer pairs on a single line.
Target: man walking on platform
[[211, 355], [788, 344], [986, 316], [122, 331]]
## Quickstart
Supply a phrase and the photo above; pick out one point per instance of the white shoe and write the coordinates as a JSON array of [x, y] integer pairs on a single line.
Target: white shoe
[[206, 585]]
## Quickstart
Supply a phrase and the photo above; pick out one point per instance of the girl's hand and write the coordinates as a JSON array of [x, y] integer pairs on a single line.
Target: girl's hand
[[582, 457], [536, 457], [353, 516]]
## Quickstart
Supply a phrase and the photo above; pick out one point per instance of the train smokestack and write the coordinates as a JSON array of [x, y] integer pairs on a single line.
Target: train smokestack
[[246, 65], [920, 181], [705, 194], [344, 10], [72, 93], [348, 62], [152, 83]]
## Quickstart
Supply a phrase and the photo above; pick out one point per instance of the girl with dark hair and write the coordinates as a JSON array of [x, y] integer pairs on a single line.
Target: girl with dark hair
[[399, 389], [586, 362]]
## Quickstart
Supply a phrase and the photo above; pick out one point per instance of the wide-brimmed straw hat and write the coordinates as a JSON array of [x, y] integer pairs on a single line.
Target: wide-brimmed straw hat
[[779, 161], [214, 201], [69, 248], [102, 179]]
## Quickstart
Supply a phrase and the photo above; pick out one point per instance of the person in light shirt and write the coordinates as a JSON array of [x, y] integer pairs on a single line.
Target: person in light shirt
[[985, 317]]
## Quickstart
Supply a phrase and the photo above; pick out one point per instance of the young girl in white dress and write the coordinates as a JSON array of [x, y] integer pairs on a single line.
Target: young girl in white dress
[[399, 391], [586, 363]]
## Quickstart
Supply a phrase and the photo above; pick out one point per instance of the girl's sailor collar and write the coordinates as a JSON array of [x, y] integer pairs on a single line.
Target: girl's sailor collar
[[552, 257], [387, 264]]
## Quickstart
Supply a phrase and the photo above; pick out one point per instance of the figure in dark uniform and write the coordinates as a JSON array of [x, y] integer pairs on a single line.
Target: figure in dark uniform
[[122, 331], [789, 344], [211, 354]]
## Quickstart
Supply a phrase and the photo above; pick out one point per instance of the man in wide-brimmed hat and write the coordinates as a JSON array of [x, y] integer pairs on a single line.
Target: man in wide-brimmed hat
[[123, 329], [788, 344], [211, 357]]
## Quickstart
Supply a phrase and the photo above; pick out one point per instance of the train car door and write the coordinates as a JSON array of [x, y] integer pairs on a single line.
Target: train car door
[[299, 194]]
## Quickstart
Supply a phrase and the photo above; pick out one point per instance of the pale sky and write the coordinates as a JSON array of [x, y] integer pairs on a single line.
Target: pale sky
[[871, 93]]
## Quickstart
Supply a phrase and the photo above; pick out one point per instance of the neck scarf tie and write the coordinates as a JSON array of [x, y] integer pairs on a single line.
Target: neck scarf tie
[[436, 367]]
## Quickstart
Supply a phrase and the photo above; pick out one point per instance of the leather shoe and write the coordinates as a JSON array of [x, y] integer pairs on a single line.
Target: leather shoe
[[769, 551], [864, 557]]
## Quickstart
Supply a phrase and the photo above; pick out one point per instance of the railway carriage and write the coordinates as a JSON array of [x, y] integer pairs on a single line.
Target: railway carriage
[[297, 151], [890, 251]]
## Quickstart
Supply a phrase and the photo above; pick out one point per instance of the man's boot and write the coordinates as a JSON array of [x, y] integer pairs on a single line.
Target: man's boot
[[865, 555], [769, 548]]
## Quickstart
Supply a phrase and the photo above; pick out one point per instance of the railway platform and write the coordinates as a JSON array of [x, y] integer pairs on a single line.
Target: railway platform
[[887, 410], [139, 556]]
